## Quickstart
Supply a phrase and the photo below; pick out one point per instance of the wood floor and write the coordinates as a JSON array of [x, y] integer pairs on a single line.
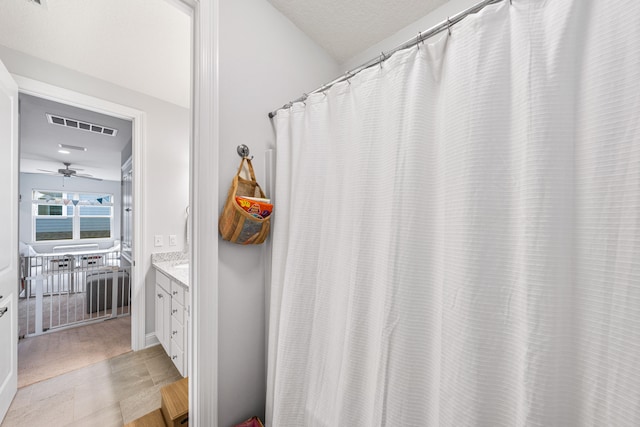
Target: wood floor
[[108, 393]]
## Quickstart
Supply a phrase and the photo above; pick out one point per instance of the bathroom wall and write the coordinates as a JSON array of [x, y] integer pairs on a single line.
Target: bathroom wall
[[265, 61], [166, 159]]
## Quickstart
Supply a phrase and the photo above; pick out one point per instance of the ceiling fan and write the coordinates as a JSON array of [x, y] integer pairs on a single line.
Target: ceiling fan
[[67, 172]]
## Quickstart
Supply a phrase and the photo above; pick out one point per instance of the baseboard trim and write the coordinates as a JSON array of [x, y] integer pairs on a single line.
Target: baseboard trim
[[150, 340]]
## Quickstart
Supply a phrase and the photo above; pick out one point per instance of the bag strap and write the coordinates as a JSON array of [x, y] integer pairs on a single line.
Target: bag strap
[[250, 167]]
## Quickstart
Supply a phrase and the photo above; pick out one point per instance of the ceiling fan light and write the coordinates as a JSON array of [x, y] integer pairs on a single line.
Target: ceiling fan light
[[72, 147], [64, 151]]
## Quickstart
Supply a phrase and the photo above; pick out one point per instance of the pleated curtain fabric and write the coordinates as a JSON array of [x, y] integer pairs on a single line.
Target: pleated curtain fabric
[[458, 232]]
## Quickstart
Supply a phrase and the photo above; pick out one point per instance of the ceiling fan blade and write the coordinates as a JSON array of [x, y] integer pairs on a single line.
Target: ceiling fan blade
[[85, 176], [44, 170]]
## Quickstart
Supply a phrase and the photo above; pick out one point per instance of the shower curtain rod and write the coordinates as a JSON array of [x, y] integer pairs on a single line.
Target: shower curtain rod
[[423, 35]]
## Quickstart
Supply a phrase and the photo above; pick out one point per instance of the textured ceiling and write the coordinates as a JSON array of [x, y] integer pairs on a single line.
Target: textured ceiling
[[39, 140], [344, 28], [143, 45]]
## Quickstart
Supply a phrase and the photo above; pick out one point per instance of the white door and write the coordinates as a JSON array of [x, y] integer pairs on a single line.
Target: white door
[[8, 240]]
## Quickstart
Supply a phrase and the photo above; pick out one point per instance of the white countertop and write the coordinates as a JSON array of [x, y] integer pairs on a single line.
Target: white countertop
[[166, 263]]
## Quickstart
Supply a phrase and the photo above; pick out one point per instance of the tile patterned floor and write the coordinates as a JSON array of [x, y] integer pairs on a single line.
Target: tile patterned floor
[[49, 355], [108, 393]]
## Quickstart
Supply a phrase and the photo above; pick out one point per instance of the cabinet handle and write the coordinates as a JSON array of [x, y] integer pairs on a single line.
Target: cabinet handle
[[159, 295], [175, 310], [174, 332], [175, 292], [174, 357], [3, 310]]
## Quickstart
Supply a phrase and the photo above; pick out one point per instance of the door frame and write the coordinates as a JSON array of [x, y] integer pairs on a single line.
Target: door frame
[[138, 137], [203, 199]]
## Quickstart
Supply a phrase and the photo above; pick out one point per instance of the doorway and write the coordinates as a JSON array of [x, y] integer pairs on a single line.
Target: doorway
[[73, 267], [138, 131]]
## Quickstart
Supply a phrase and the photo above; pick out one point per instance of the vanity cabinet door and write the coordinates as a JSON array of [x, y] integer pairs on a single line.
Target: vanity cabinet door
[[163, 317]]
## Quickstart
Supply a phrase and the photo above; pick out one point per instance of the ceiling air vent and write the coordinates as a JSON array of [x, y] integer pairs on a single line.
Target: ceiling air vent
[[77, 124]]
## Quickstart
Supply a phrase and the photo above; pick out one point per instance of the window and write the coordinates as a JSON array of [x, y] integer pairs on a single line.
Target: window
[[95, 221], [72, 216]]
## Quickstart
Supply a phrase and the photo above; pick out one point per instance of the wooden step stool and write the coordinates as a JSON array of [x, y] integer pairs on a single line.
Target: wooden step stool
[[152, 419], [174, 411], [175, 403]]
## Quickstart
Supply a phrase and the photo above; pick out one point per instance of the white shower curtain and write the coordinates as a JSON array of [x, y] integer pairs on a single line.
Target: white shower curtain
[[457, 232]]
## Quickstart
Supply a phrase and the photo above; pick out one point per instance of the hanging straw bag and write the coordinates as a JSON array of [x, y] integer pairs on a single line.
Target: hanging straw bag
[[238, 225]]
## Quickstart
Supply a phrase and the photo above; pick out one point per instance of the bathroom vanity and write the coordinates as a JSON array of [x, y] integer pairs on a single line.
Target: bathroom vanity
[[172, 312]]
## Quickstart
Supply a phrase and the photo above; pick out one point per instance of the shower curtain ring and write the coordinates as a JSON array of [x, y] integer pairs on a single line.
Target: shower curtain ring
[[382, 58], [449, 25], [348, 78]]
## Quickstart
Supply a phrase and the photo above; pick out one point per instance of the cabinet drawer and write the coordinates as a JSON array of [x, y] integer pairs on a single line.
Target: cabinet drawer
[[177, 357], [177, 311], [163, 281], [177, 333], [177, 292]]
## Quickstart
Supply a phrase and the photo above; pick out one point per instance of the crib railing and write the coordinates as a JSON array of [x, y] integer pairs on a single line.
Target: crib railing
[[64, 290]]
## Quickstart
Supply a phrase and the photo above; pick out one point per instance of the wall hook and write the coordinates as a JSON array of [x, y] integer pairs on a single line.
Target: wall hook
[[243, 151]]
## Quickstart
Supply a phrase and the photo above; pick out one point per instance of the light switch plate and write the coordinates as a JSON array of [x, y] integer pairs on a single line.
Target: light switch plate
[[158, 240], [172, 240]]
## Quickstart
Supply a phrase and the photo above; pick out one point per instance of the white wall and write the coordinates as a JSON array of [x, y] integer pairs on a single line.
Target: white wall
[[32, 181], [265, 61], [166, 172], [448, 9]]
